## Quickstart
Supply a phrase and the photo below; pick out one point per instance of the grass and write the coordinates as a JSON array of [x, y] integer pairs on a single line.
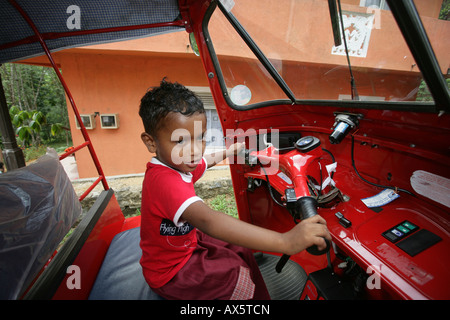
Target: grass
[[225, 203], [32, 153]]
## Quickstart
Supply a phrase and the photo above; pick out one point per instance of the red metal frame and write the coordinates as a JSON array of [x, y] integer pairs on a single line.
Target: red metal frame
[[56, 35], [88, 142], [41, 38]]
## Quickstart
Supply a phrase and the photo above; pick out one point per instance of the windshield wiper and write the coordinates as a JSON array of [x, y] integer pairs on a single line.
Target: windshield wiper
[[257, 52], [337, 34]]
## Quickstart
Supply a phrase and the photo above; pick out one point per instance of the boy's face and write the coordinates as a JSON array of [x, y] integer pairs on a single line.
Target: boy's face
[[180, 142]]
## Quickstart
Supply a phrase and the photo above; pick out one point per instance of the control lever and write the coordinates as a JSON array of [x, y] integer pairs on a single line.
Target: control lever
[[307, 206], [249, 159]]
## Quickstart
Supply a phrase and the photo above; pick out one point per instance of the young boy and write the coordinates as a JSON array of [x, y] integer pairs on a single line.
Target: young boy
[[190, 251]]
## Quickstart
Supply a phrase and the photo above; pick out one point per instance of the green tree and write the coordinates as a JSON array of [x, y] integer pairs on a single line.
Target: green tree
[[52, 102], [445, 10], [37, 103], [28, 124]]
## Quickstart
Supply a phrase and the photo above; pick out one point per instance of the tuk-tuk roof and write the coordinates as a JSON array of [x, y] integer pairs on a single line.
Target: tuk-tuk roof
[[64, 24]]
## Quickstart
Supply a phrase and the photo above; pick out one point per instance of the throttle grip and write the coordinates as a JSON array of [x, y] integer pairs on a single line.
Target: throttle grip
[[308, 208]]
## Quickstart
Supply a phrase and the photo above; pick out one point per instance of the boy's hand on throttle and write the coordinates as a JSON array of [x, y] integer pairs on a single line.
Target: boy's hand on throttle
[[307, 233]]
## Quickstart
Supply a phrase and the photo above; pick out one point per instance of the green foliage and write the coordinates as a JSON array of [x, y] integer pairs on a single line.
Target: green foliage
[[423, 94], [56, 129], [28, 124], [37, 104], [445, 10], [32, 153], [225, 203]]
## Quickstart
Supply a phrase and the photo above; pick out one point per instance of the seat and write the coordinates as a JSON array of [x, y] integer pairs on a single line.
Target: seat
[[120, 276]]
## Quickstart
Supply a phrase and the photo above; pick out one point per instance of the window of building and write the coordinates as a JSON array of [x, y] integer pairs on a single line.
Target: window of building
[[379, 4], [214, 135]]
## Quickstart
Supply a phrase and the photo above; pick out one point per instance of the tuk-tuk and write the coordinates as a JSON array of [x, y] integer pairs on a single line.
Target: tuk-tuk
[[344, 109]]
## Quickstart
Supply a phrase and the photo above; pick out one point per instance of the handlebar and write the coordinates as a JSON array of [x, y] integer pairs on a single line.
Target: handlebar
[[296, 164], [307, 206]]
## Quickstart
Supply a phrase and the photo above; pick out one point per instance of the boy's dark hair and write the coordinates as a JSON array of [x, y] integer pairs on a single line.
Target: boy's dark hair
[[157, 103]]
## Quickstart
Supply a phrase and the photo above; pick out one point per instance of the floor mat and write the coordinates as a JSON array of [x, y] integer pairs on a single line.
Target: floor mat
[[286, 285]]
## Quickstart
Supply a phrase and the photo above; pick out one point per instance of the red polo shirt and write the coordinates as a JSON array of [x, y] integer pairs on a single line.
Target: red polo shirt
[[167, 242]]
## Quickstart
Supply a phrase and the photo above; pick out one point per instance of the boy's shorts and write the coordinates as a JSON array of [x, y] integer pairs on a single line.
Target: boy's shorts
[[217, 270]]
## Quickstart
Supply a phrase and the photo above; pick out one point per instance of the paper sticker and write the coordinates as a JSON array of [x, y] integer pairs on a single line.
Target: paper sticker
[[330, 168], [384, 197]]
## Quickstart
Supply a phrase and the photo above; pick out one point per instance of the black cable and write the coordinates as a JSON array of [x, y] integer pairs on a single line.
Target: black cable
[[354, 91], [374, 184], [332, 158], [285, 148], [270, 187]]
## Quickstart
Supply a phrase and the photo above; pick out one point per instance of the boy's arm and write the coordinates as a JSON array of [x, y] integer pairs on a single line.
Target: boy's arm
[[217, 157], [221, 226]]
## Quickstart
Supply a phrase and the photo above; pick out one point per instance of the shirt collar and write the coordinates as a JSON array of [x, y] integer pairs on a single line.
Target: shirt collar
[[187, 177]]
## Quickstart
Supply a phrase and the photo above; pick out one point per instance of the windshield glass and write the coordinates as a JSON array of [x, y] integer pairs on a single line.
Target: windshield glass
[[297, 38]]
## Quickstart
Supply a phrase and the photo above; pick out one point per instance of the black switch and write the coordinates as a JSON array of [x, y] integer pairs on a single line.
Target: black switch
[[343, 221]]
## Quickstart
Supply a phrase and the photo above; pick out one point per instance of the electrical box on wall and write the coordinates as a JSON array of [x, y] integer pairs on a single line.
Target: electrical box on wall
[[109, 121], [88, 121]]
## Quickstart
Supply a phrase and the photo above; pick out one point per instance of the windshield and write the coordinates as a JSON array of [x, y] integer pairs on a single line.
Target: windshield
[[297, 38]]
